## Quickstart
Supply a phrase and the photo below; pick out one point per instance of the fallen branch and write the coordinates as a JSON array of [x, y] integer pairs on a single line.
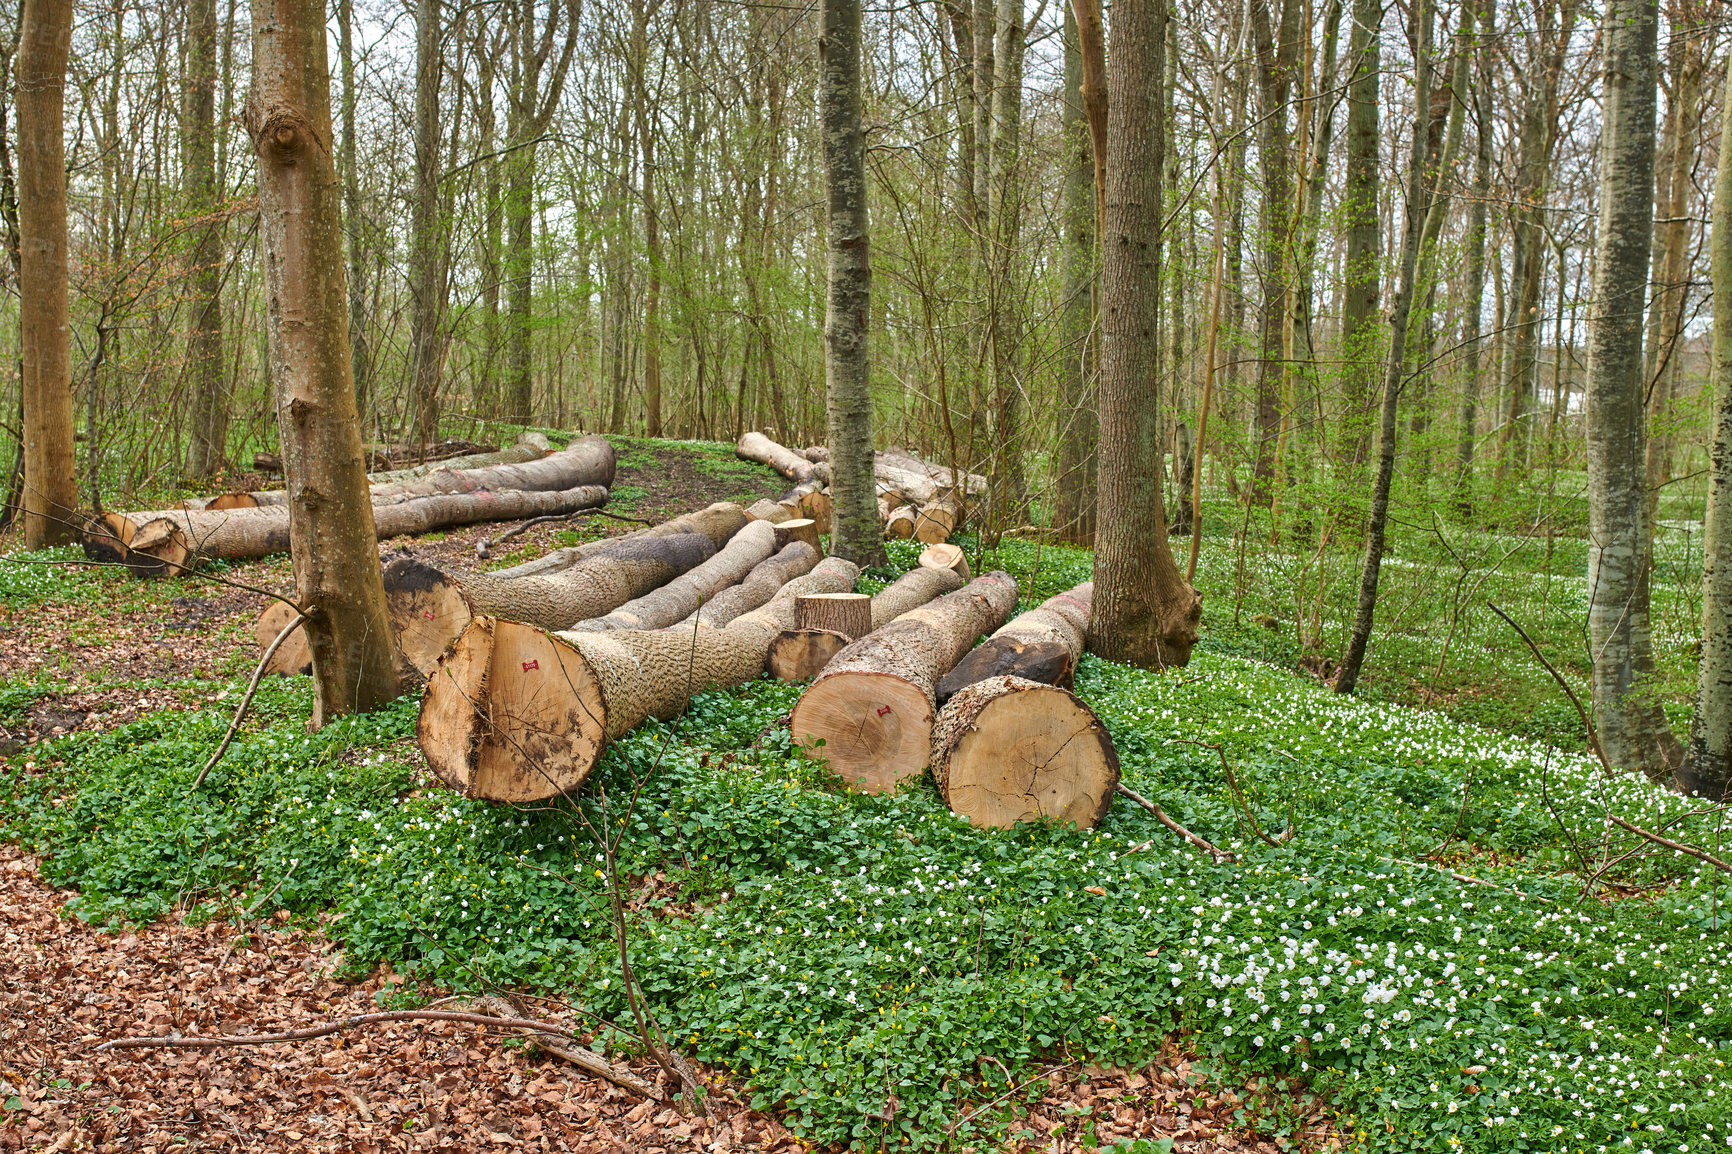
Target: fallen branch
[[580, 1056], [594, 1064], [1681, 847], [481, 547], [247, 698], [1201, 843], [1461, 877], [1239, 796]]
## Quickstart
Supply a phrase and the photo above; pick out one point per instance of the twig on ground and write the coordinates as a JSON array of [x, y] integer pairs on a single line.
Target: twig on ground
[[1461, 877], [482, 547], [1161, 816], [1239, 796], [247, 698], [968, 1117], [1681, 847], [247, 913], [579, 1056]]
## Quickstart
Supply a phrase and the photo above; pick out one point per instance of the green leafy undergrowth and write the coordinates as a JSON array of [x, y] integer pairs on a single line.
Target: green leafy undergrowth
[[836, 949]]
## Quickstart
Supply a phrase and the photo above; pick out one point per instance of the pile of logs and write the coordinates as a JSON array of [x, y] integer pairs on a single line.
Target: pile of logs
[[526, 480], [532, 671], [915, 497]]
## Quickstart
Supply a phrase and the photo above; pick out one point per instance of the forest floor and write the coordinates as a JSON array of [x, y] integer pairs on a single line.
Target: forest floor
[[117, 652]]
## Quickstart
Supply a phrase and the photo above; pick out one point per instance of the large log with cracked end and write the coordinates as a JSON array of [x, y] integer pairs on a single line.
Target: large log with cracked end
[[899, 525], [946, 556], [514, 713], [870, 713], [1008, 749], [1042, 645], [755, 446], [795, 559], [802, 652], [686, 593], [824, 625]]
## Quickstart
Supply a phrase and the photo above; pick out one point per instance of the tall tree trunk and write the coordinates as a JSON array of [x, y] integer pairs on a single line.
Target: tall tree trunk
[[985, 23], [1144, 612], [1277, 51], [1008, 495], [960, 22], [1473, 299], [1664, 353], [489, 238], [207, 452], [1359, 330], [854, 534], [1418, 188], [360, 355], [1632, 728], [1078, 430], [332, 539], [1707, 765], [652, 357], [426, 278], [44, 286]]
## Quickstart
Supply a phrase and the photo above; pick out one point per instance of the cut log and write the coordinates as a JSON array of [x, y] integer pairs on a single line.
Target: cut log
[[794, 559], [240, 534], [973, 483], [1042, 645], [849, 614], [938, 519], [816, 453], [910, 591], [529, 447], [1008, 749], [159, 548], [754, 446], [517, 714], [293, 656], [799, 529], [899, 526], [945, 556], [665, 606], [870, 713], [816, 505], [240, 501], [719, 522], [802, 652]]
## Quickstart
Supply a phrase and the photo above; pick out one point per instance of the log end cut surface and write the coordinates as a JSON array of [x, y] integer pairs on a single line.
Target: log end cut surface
[[294, 655], [875, 727], [512, 714], [801, 654], [427, 609], [1010, 750], [1045, 661]]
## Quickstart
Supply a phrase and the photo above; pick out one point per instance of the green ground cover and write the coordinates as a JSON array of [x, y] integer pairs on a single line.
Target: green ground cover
[[835, 950]]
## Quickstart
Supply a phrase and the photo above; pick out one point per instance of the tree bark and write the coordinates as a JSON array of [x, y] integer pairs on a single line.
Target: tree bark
[[1042, 645], [1706, 770], [1632, 727], [1146, 613], [208, 450], [44, 285], [854, 532], [1473, 300], [1074, 507], [869, 715], [1359, 328], [360, 358], [795, 559], [333, 542], [426, 274], [687, 593], [1005, 317]]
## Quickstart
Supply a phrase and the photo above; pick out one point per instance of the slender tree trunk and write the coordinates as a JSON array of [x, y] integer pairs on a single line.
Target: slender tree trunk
[[1632, 728], [1078, 431], [207, 452], [492, 229], [44, 286], [652, 357], [1277, 50], [1347, 678], [1008, 496], [426, 278], [1144, 612], [360, 355], [332, 540], [1359, 330], [960, 15], [1473, 299], [1707, 765], [854, 534]]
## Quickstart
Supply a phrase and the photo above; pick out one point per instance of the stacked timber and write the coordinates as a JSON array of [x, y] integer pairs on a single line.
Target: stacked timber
[[171, 540], [824, 626], [1010, 745], [515, 713], [765, 580], [870, 712], [397, 482]]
